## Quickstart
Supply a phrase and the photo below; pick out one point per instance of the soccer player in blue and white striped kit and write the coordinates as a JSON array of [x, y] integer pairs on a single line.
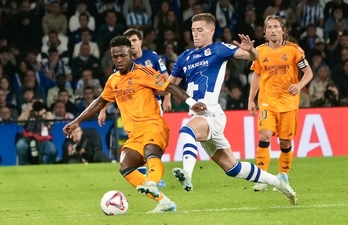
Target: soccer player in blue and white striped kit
[[203, 70]]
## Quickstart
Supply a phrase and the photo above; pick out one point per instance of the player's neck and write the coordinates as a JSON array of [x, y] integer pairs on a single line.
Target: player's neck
[[137, 55], [276, 44]]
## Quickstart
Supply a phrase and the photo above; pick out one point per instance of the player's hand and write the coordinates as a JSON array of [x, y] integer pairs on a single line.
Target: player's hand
[[294, 89], [252, 108], [246, 44], [199, 107], [101, 118], [69, 128], [167, 104]]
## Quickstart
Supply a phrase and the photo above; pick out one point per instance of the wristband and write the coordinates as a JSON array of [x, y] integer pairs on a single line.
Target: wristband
[[190, 102]]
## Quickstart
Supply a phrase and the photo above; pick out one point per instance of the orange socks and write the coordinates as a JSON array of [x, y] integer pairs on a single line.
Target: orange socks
[[135, 178], [155, 169], [263, 158], [285, 161]]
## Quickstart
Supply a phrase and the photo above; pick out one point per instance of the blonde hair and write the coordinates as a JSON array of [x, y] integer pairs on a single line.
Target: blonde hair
[[207, 17]]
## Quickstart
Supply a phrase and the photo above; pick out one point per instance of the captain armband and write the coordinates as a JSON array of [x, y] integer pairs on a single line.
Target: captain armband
[[302, 64]]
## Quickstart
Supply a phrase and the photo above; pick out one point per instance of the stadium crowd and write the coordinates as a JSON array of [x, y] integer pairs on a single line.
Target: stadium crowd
[[58, 51]]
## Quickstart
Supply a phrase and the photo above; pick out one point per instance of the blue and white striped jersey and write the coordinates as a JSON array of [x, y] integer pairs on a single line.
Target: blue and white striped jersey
[[204, 70]]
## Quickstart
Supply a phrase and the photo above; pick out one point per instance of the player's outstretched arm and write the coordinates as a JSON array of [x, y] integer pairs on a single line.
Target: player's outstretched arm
[[246, 48], [183, 96], [91, 110]]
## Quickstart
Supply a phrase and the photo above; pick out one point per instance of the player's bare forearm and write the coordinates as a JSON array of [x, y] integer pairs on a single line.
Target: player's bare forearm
[[307, 76], [177, 91], [254, 86], [253, 54], [92, 109]]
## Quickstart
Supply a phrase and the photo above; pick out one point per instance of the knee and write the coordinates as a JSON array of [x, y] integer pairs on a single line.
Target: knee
[[265, 136], [187, 130], [22, 145], [152, 151], [285, 145], [125, 170]]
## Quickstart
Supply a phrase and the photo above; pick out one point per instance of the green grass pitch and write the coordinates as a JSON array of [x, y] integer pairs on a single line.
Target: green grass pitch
[[70, 194]]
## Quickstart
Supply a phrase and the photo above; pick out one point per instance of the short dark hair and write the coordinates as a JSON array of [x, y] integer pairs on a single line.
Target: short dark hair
[[133, 31], [120, 41]]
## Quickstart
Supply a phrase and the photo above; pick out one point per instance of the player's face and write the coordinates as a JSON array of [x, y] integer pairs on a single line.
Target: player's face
[[121, 57], [274, 31], [202, 33], [136, 44]]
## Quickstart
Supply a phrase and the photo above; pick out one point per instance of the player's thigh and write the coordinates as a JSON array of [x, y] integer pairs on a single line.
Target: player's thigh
[[215, 144], [287, 125], [267, 120], [208, 126]]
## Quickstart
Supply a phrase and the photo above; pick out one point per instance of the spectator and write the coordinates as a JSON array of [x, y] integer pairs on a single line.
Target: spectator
[[172, 23], [30, 82], [149, 38], [84, 147], [336, 14], [318, 85], [236, 99], [129, 6], [7, 66], [342, 84], [28, 98], [197, 8], [161, 16], [225, 15], [170, 53], [137, 18], [52, 94], [85, 60], [330, 98], [310, 12], [86, 38], [10, 106], [338, 65], [333, 4], [75, 36], [279, 8], [307, 42], [32, 57], [108, 30], [5, 115], [54, 39], [81, 7], [23, 24], [35, 145], [6, 87], [246, 25], [259, 35], [55, 65], [87, 99], [60, 113], [63, 96], [54, 19], [87, 80]]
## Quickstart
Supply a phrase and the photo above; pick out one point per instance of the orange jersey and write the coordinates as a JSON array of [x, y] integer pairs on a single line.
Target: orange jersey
[[278, 69], [134, 95]]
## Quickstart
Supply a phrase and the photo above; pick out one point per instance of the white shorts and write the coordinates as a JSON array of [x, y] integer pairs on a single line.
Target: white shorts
[[216, 138]]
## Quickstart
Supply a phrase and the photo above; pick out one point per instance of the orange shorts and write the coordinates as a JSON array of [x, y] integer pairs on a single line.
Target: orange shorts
[[283, 124], [148, 133]]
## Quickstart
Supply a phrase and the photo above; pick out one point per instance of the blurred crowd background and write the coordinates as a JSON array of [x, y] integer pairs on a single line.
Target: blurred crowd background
[[58, 51]]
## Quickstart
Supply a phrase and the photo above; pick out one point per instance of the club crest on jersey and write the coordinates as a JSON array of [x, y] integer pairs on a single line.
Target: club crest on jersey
[[160, 80], [130, 81], [284, 57], [148, 63], [207, 52]]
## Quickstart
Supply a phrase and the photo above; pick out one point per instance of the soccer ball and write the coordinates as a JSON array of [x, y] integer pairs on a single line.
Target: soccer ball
[[114, 203]]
